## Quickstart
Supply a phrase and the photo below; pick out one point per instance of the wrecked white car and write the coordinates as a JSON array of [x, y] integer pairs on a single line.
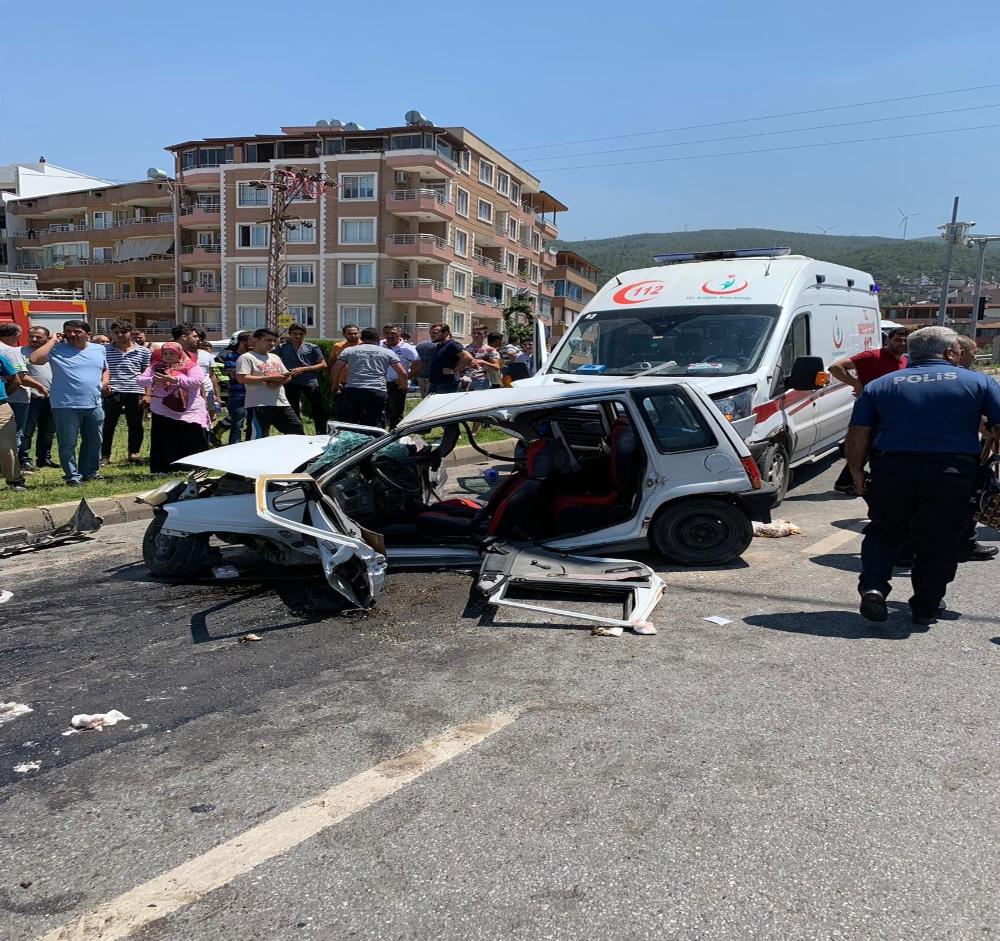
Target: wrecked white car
[[595, 467]]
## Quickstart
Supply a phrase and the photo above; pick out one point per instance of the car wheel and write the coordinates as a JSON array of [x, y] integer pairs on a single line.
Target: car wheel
[[173, 556], [775, 469], [701, 532]]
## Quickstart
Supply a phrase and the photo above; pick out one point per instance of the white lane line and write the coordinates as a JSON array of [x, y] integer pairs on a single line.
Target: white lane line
[[194, 879], [831, 542]]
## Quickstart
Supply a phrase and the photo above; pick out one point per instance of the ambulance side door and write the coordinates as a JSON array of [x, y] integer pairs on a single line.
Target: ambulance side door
[[799, 409]]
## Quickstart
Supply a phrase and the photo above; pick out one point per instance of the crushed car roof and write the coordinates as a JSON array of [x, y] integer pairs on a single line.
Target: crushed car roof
[[453, 405]]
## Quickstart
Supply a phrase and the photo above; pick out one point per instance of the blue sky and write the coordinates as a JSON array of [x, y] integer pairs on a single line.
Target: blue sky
[[103, 88]]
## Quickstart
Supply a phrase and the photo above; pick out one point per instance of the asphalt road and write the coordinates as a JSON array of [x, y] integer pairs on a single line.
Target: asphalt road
[[791, 774]]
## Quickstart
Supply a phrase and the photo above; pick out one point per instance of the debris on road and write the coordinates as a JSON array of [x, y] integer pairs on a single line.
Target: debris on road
[[602, 631], [776, 528], [83, 522], [11, 710], [249, 638], [716, 619], [226, 571], [26, 767], [98, 721], [5, 595]]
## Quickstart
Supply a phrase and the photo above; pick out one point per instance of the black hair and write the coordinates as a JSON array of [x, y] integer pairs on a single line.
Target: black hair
[[10, 329], [181, 329], [264, 332], [76, 325], [369, 335]]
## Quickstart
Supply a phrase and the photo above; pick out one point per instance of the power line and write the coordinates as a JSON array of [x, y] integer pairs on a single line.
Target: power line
[[771, 150], [765, 117], [795, 130]]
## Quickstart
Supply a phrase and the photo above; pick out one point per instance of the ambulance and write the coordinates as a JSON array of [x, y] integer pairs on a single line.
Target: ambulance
[[756, 329]]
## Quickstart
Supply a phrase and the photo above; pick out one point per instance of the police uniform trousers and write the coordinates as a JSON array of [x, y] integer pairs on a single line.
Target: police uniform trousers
[[925, 495]]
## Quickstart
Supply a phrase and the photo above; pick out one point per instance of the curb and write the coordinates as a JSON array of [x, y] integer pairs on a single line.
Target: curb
[[124, 508]]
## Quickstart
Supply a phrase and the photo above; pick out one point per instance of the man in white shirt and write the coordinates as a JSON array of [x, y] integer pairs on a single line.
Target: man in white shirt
[[264, 375], [409, 358]]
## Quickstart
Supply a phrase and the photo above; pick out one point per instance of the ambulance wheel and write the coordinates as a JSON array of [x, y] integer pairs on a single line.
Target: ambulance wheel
[[775, 469], [173, 556], [701, 532]]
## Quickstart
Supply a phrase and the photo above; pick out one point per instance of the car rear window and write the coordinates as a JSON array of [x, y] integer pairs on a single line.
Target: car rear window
[[676, 425]]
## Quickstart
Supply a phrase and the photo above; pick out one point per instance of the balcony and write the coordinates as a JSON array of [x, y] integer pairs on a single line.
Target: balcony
[[487, 264], [489, 306], [201, 294], [418, 245], [548, 260], [419, 291], [201, 255], [421, 161], [548, 288], [201, 216], [146, 301], [71, 231], [429, 205], [549, 228]]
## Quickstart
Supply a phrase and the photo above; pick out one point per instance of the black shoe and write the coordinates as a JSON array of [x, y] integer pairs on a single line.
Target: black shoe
[[28, 468], [977, 552], [873, 606], [18, 486], [926, 619], [74, 483], [846, 489], [48, 463]]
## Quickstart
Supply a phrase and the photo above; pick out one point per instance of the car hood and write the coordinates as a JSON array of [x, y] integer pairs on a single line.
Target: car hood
[[278, 454], [712, 385]]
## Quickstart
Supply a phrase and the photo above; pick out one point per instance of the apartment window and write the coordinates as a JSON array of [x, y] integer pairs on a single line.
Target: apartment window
[[461, 243], [250, 317], [515, 193], [357, 231], [465, 161], [248, 195], [189, 159], [510, 262], [534, 273], [211, 156], [304, 314], [357, 186], [252, 236], [363, 315], [459, 283], [302, 231], [258, 153], [485, 172], [485, 211], [407, 142], [512, 229], [206, 280], [461, 202], [206, 239], [301, 274], [357, 274], [102, 255], [457, 318], [536, 242], [503, 183], [251, 277], [103, 291], [102, 220]]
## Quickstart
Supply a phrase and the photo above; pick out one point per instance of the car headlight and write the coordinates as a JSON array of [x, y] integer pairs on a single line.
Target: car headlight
[[735, 405]]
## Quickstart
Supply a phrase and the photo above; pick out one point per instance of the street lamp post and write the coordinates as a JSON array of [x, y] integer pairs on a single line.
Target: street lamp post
[[982, 241], [953, 232]]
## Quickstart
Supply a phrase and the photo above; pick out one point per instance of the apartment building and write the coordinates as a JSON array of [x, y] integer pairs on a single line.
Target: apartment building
[[574, 283], [113, 244], [425, 224]]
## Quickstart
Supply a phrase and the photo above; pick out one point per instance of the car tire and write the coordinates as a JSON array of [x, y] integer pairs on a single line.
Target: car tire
[[701, 532], [173, 556], [775, 469]]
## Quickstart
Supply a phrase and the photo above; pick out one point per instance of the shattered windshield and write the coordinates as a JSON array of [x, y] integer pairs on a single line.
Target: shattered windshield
[[716, 340]]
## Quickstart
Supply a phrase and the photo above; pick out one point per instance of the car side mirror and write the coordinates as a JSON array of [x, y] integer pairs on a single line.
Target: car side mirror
[[807, 374]]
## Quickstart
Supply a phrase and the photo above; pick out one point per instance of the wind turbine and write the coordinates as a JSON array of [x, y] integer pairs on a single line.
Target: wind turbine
[[904, 216], [829, 228]]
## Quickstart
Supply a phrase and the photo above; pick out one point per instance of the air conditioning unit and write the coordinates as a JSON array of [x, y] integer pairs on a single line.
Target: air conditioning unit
[[402, 177], [185, 276]]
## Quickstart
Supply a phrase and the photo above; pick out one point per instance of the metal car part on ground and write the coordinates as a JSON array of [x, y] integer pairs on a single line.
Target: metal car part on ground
[[607, 466]]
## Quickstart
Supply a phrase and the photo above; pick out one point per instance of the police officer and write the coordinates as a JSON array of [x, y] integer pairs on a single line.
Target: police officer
[[923, 461]]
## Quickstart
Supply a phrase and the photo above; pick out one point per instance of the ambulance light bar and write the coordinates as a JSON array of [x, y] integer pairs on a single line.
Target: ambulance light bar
[[676, 258]]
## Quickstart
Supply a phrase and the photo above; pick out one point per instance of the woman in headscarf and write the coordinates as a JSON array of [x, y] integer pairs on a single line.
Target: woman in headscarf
[[180, 414]]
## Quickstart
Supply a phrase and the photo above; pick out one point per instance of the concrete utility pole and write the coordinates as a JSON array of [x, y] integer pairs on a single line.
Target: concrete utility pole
[[982, 241], [953, 233]]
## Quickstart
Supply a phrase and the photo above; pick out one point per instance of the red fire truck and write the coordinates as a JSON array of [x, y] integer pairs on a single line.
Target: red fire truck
[[23, 303]]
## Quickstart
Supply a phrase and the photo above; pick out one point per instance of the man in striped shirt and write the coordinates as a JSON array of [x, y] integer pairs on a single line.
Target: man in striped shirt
[[126, 362]]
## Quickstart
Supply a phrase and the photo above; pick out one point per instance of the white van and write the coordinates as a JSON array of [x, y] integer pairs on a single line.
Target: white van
[[755, 328]]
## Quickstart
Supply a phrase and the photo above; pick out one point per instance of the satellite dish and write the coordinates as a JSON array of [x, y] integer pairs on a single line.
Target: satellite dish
[[353, 126], [335, 123], [322, 123], [415, 117]]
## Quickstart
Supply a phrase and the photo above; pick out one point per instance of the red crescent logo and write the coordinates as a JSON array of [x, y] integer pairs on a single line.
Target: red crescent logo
[[638, 292], [736, 290]]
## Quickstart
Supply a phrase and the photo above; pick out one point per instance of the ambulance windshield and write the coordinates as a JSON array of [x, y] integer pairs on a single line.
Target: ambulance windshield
[[670, 341]]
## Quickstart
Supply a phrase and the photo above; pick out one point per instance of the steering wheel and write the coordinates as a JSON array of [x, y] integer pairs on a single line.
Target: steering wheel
[[410, 483]]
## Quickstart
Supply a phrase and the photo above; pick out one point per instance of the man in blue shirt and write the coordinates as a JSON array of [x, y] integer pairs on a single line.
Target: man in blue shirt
[[921, 425], [10, 381], [79, 374], [305, 361]]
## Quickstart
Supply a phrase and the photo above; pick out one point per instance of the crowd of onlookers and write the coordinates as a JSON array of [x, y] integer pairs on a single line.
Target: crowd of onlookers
[[72, 389]]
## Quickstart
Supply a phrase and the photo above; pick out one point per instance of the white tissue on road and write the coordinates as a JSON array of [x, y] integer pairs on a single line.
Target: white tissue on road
[[715, 619], [776, 529], [27, 766], [97, 721], [5, 595], [9, 711]]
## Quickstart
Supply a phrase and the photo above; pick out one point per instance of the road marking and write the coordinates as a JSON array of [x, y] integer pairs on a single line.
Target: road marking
[[831, 542], [194, 879]]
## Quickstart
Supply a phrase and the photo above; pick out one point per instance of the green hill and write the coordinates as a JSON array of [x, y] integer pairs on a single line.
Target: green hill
[[888, 260]]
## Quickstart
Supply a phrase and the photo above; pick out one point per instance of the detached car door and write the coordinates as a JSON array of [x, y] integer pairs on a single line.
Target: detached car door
[[353, 559]]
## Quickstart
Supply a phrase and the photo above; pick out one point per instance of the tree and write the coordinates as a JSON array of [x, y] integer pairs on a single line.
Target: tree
[[518, 332]]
